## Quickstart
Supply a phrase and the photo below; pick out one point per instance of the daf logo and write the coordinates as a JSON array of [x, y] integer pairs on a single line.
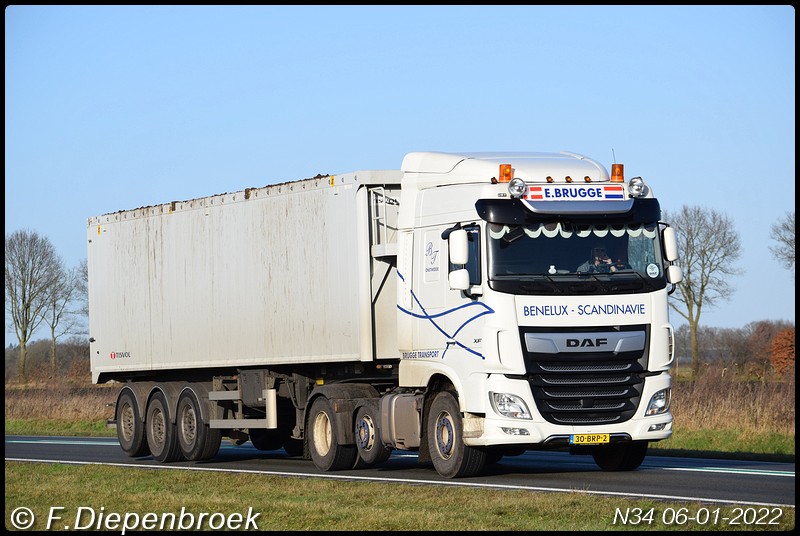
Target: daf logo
[[586, 343]]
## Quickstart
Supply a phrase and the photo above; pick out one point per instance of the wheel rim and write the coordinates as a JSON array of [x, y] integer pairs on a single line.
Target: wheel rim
[[365, 433], [322, 434], [188, 425], [157, 427], [127, 422], [444, 435]]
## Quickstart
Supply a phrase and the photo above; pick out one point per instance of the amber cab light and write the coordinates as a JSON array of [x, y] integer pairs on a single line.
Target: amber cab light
[[506, 173], [616, 173]]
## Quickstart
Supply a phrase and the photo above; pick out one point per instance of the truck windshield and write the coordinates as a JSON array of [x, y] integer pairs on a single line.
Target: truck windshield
[[566, 251]]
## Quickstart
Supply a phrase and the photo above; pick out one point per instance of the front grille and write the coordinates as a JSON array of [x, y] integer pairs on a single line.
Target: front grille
[[589, 386], [596, 406], [593, 367], [584, 420]]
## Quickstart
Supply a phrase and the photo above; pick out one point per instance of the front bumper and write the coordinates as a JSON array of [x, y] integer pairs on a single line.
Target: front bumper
[[495, 430]]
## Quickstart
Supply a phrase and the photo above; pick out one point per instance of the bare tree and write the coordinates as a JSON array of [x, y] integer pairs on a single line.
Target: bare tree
[[708, 246], [31, 274], [783, 234], [82, 288], [58, 315]]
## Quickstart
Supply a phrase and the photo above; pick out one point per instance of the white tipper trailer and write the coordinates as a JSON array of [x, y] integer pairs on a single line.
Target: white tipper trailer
[[459, 307]]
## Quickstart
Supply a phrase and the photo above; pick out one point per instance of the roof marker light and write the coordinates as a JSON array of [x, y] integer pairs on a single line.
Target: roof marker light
[[587, 178], [506, 173], [617, 174], [568, 178], [549, 178]]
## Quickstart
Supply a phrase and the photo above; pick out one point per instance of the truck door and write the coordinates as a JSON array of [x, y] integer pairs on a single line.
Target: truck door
[[464, 308], [430, 280]]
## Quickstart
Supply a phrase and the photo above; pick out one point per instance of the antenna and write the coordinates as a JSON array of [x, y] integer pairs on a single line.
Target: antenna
[[613, 156]]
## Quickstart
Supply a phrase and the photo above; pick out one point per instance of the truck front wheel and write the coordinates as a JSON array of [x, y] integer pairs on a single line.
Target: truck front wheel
[[130, 427], [450, 456], [161, 433], [326, 452], [197, 441]]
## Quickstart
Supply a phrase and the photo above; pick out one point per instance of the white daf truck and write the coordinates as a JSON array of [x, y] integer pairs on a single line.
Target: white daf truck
[[467, 306]]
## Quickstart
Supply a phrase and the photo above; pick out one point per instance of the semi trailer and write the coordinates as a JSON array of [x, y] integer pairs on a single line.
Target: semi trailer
[[466, 306]]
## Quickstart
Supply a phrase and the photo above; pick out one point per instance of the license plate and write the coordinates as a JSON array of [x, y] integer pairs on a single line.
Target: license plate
[[588, 439]]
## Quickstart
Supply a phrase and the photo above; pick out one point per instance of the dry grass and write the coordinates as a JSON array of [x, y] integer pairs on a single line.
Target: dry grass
[[717, 400], [60, 401]]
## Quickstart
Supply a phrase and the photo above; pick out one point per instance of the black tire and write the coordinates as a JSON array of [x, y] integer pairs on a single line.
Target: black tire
[[271, 439], [371, 450], [287, 419], [493, 457], [326, 453], [264, 439], [293, 447], [130, 427], [162, 436], [450, 456], [196, 440], [620, 456]]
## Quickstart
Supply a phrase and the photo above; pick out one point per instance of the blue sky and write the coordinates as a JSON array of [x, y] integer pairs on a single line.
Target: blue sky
[[118, 107]]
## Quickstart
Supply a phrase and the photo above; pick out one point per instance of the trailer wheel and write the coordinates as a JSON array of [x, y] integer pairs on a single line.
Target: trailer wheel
[[621, 456], [162, 435], [326, 452], [371, 450], [130, 427], [197, 440], [450, 456]]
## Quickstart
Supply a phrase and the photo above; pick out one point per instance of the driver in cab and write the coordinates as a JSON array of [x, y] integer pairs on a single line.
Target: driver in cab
[[600, 262]]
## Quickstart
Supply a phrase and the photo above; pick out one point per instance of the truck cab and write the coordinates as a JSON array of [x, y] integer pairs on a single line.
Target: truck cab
[[500, 299]]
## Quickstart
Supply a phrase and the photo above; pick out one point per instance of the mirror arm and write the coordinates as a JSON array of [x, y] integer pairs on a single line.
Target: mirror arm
[[446, 232]]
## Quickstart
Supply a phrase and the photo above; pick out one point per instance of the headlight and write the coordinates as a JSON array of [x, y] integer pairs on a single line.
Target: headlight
[[509, 405], [659, 403], [637, 187], [516, 188]]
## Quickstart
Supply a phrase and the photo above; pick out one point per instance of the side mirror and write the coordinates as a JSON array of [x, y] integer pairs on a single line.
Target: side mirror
[[459, 279], [458, 247], [670, 244], [674, 274]]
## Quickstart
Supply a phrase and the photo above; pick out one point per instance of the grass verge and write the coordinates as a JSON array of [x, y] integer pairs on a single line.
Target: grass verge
[[103, 496]]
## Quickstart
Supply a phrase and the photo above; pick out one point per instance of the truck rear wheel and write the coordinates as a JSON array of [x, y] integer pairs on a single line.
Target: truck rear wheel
[[326, 452], [196, 440], [620, 456], [450, 456], [130, 427], [371, 450], [161, 433]]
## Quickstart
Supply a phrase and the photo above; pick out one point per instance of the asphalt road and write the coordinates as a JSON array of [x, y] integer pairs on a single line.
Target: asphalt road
[[729, 482]]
